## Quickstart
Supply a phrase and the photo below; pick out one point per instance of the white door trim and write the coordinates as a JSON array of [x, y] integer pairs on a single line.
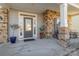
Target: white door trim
[[21, 25]]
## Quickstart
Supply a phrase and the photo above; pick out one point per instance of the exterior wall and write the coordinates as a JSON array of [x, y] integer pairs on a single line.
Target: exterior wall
[[3, 25], [39, 23], [75, 23], [13, 19]]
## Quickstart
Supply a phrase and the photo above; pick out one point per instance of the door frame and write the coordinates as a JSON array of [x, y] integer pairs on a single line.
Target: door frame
[[21, 25]]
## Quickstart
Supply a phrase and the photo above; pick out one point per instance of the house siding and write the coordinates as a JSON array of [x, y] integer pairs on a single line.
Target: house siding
[[75, 23]]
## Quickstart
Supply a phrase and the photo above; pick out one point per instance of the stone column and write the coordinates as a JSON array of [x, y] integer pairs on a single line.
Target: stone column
[[49, 17], [63, 29], [48, 28]]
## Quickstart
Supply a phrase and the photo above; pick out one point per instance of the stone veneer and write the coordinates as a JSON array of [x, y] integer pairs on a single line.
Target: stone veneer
[[64, 36], [49, 17], [3, 25]]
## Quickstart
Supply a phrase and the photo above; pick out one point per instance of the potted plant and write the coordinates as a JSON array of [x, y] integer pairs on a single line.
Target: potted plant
[[13, 37]]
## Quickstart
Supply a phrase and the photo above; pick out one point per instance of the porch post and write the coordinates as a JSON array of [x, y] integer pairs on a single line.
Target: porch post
[[63, 29]]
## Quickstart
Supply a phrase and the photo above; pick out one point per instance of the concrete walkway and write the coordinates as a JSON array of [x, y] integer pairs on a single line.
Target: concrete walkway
[[39, 47]]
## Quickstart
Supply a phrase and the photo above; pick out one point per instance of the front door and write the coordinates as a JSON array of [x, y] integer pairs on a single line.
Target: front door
[[28, 27]]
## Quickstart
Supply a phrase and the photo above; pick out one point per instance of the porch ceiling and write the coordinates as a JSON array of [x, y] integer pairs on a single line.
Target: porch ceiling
[[72, 10], [40, 7], [34, 7]]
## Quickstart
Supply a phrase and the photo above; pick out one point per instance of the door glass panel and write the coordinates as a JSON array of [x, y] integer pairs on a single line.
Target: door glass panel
[[28, 25]]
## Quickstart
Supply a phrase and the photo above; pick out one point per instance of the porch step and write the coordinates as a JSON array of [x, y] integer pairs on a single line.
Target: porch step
[[28, 40]]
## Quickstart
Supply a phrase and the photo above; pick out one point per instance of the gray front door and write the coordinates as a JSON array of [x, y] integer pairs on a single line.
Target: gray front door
[[28, 27]]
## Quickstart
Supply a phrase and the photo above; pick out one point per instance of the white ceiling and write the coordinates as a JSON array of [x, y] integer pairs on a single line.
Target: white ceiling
[[34, 7], [72, 9], [40, 7]]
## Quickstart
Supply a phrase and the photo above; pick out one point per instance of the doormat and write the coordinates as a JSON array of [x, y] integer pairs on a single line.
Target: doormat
[[28, 40]]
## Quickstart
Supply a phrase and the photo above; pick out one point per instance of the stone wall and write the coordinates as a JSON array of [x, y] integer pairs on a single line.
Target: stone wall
[[64, 33], [49, 17], [3, 25], [64, 36]]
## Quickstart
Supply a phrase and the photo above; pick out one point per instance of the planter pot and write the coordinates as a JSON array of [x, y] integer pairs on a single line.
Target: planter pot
[[42, 35], [13, 39]]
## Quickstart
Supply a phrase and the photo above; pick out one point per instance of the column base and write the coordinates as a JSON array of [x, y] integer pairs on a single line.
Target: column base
[[63, 36]]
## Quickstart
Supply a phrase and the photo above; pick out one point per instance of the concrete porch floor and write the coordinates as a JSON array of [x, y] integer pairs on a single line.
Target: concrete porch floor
[[39, 47]]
